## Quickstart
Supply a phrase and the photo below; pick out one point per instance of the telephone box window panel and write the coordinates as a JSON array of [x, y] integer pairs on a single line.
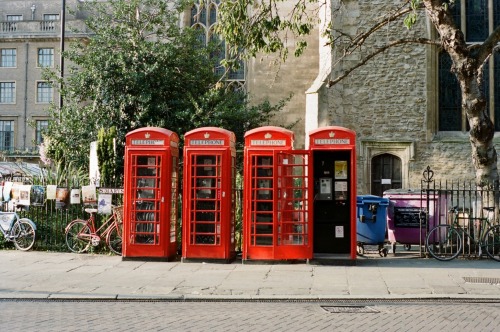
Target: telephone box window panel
[[209, 194], [145, 224]]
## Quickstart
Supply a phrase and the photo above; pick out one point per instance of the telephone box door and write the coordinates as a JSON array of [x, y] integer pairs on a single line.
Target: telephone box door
[[209, 194], [332, 207], [292, 197], [209, 216], [150, 194], [259, 223], [145, 226], [333, 156]]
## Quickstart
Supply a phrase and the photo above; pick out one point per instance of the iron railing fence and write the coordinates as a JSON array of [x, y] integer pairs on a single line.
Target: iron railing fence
[[473, 207]]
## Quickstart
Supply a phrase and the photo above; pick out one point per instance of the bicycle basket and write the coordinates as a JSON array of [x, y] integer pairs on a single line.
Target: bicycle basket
[[118, 214], [6, 220]]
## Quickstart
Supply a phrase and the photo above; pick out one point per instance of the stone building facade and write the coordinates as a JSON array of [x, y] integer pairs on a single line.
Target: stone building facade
[[392, 103], [30, 40]]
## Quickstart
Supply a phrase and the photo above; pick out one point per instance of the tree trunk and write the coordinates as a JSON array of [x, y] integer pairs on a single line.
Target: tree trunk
[[482, 130], [467, 67]]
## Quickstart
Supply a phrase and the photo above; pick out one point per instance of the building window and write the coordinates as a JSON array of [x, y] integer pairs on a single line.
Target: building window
[[11, 24], [476, 13], [7, 92], [48, 22], [7, 135], [41, 126], [203, 17], [44, 92], [8, 57], [45, 57], [14, 18], [51, 17]]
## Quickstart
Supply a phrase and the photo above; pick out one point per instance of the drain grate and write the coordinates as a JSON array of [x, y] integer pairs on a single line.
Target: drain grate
[[349, 309], [482, 280]]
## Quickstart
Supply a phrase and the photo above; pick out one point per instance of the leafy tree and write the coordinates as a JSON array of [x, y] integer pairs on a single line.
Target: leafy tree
[[264, 28], [139, 68]]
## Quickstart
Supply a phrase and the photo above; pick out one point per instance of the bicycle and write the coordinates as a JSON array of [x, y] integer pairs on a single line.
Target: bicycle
[[21, 231], [81, 234], [445, 242]]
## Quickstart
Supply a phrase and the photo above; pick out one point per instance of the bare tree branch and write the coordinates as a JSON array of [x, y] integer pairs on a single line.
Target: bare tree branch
[[361, 38], [487, 47]]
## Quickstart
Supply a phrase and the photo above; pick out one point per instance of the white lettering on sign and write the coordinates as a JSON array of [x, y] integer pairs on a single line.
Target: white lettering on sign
[[324, 141], [110, 190], [206, 142], [148, 142], [271, 142]]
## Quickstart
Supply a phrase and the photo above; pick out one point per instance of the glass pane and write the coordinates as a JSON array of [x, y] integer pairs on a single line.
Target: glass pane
[[477, 20], [497, 89], [450, 110], [496, 13], [455, 12]]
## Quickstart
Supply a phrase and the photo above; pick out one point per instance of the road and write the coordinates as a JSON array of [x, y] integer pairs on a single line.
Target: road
[[114, 315]]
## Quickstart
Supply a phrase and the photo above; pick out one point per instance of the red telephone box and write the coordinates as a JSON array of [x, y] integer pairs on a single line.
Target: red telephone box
[[208, 217], [275, 217], [150, 193], [333, 151]]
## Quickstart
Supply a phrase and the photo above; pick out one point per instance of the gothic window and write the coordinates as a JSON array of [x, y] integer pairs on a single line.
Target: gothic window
[[450, 109], [476, 13], [204, 17]]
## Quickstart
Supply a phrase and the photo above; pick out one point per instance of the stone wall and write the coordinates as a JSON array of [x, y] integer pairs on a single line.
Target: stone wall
[[392, 99], [268, 79]]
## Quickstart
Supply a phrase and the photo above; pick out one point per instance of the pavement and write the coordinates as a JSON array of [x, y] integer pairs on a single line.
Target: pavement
[[59, 276]]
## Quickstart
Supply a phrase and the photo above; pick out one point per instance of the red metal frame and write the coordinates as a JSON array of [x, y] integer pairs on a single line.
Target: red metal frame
[[275, 216], [150, 193], [335, 138], [209, 194]]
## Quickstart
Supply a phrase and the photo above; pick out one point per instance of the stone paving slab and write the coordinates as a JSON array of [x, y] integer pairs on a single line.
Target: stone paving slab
[[67, 275]]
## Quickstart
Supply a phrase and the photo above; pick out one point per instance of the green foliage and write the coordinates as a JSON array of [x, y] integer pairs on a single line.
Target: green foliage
[[106, 155], [65, 175], [139, 69], [267, 30]]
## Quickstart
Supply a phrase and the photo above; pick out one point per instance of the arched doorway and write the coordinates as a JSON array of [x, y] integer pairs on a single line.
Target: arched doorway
[[386, 173]]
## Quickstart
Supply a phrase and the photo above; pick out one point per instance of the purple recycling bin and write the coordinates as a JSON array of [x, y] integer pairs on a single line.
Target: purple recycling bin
[[409, 218]]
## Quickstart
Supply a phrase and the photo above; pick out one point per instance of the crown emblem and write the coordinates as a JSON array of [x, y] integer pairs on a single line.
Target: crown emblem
[[147, 135], [268, 136], [207, 135], [331, 134]]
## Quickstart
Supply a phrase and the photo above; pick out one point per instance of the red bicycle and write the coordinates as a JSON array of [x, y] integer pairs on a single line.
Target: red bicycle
[[81, 234]]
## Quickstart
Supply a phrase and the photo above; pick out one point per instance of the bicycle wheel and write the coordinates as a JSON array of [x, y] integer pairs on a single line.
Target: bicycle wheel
[[443, 243], [78, 237], [24, 235], [491, 242], [114, 240]]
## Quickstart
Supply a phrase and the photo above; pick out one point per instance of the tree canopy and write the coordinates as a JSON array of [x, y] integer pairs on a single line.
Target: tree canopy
[[264, 27], [139, 68]]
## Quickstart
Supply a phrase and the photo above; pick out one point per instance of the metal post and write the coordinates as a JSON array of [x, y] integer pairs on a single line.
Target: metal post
[[63, 24]]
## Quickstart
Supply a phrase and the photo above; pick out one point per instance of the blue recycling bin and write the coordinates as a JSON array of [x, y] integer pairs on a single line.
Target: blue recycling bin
[[371, 222]]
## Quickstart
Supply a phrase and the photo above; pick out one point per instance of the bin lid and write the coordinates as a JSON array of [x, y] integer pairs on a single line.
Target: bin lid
[[402, 191], [371, 199]]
